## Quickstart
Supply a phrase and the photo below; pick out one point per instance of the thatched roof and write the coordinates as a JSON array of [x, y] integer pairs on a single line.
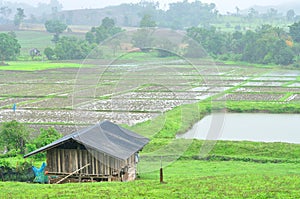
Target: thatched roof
[[105, 137]]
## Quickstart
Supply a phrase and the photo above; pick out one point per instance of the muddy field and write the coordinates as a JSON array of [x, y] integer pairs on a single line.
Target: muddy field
[[69, 99]]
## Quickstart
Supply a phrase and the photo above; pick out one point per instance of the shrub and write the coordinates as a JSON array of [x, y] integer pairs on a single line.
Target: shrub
[[49, 53]]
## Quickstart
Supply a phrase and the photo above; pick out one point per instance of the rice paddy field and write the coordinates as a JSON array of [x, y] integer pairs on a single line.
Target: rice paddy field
[[65, 94]]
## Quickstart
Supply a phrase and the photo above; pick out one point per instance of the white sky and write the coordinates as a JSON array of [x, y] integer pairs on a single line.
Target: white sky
[[222, 5]]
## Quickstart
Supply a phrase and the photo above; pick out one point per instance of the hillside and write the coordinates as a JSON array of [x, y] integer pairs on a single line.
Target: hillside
[[130, 14], [93, 17], [282, 8]]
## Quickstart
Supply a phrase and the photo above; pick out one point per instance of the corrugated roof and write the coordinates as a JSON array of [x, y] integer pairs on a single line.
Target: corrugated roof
[[105, 137]]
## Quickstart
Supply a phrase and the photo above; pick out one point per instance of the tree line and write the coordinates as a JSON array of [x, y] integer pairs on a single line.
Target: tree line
[[73, 47], [265, 45], [65, 47]]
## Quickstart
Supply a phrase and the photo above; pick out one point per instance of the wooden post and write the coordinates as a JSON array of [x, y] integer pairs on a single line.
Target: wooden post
[[58, 161], [79, 179], [93, 162], [97, 163], [161, 175], [54, 161], [63, 168], [161, 171]]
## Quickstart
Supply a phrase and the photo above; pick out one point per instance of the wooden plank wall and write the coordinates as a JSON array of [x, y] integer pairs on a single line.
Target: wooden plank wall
[[68, 160]]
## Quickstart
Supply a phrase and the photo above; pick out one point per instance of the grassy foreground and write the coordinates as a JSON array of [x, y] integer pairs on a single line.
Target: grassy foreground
[[184, 179], [246, 177]]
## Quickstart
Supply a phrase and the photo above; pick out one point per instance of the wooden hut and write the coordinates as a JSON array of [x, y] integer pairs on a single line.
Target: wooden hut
[[102, 152]]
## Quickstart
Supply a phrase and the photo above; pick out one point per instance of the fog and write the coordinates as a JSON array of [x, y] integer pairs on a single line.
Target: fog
[[222, 6]]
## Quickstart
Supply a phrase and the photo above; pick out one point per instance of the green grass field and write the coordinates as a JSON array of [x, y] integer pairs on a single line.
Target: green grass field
[[231, 170], [34, 65], [183, 179], [34, 39], [232, 23]]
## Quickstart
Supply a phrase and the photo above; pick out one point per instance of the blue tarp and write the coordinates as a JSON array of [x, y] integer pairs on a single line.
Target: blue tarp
[[39, 174]]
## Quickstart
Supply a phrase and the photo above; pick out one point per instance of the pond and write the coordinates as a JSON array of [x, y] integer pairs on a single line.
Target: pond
[[247, 127]]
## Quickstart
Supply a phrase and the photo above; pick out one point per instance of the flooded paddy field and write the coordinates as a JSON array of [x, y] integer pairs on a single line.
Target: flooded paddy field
[[71, 98]]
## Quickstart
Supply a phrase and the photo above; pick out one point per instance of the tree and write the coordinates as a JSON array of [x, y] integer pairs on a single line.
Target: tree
[[290, 15], [182, 15], [14, 135], [108, 23], [282, 53], [211, 40], [237, 10], [296, 49], [4, 13], [55, 4], [49, 52], [45, 137], [9, 47], [55, 8], [56, 27], [142, 38], [272, 13], [252, 13], [147, 22], [267, 45], [295, 32], [72, 48], [102, 32], [236, 44], [19, 17], [90, 37]]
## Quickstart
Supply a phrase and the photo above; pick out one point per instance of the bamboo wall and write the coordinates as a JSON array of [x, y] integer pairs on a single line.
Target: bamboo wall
[[63, 161]]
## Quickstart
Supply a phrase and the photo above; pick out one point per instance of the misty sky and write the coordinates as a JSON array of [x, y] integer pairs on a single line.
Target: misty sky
[[222, 5]]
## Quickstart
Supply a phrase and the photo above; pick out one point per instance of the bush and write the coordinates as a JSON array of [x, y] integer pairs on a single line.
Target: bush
[[296, 65], [224, 57], [49, 53], [22, 172], [10, 154], [236, 57], [4, 163], [72, 48]]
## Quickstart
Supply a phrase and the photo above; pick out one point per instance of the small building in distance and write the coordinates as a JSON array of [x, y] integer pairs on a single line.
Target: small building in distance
[[103, 152]]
